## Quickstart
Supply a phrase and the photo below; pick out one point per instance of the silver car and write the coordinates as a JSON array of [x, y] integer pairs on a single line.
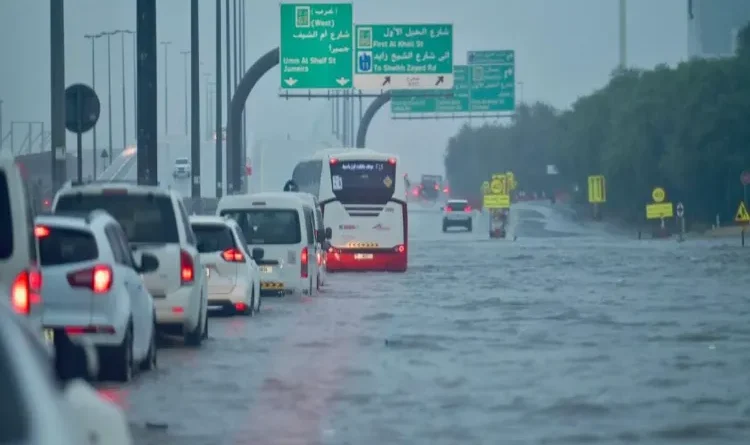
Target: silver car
[[181, 168]]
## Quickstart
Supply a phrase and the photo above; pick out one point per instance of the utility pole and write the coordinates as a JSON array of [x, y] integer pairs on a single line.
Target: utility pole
[[122, 33], [93, 37], [195, 104], [166, 87], [135, 87], [623, 34], [228, 157], [185, 55], [219, 142], [109, 90], [57, 98], [147, 154]]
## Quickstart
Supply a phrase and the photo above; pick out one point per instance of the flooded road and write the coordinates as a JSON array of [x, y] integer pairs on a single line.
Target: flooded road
[[565, 336]]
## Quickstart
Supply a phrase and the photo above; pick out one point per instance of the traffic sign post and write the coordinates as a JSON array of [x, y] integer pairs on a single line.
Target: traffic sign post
[[681, 215], [404, 56], [315, 50], [597, 191], [82, 109], [659, 209]]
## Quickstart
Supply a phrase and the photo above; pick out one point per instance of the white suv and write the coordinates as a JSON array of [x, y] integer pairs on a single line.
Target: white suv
[[92, 288], [19, 273], [155, 221], [181, 168], [457, 213]]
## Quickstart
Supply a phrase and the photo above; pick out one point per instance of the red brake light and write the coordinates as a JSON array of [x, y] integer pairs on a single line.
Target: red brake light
[[233, 256], [19, 294], [304, 263], [41, 231], [320, 259], [467, 208], [97, 278], [392, 161], [333, 161], [448, 209], [187, 268], [400, 248]]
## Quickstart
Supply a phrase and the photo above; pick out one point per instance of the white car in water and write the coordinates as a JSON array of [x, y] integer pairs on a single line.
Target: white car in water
[[181, 168], [233, 275]]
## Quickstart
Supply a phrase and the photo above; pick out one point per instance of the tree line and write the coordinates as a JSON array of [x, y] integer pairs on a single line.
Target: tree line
[[685, 129]]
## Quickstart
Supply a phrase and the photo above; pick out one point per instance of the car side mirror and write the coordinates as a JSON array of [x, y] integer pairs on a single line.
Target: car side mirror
[[258, 253], [201, 247], [149, 263], [329, 233], [74, 359]]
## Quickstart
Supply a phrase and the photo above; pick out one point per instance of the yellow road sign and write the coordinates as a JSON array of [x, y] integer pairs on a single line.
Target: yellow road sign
[[499, 185], [597, 189], [659, 210], [658, 194], [742, 216], [511, 180], [485, 187], [496, 201]]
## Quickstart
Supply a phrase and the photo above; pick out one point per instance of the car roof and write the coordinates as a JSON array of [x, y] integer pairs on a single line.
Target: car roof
[[365, 153], [182, 158], [211, 219], [275, 199], [73, 221], [457, 201], [131, 188]]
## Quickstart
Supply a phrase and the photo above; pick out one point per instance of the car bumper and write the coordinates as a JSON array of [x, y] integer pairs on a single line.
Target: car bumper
[[177, 307], [380, 262]]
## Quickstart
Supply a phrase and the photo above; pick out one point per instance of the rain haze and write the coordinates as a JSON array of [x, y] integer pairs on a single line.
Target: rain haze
[[564, 49]]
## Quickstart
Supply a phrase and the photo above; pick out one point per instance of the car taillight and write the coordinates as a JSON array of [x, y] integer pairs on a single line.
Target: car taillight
[[41, 231], [233, 256], [187, 268], [25, 291], [467, 209], [304, 262], [400, 248], [320, 258], [448, 209], [97, 278]]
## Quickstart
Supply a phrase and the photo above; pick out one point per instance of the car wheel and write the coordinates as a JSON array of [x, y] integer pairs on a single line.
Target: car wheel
[[250, 308], [196, 336], [151, 361], [468, 227], [120, 366]]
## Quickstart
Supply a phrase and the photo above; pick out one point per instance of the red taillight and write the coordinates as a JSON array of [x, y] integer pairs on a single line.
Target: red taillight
[[448, 209], [392, 161], [333, 161], [233, 256], [97, 278], [187, 268], [400, 248], [25, 291], [41, 231], [467, 209], [304, 262], [320, 258]]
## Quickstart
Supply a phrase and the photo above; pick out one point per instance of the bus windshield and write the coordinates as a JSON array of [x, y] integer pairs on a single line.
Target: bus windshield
[[363, 182]]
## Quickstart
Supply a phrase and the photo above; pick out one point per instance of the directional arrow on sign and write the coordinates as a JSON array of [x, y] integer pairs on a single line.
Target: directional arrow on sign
[[439, 80], [386, 81], [290, 81], [342, 81]]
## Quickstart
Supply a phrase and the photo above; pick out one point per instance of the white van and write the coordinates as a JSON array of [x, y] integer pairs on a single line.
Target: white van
[[20, 276], [320, 246], [284, 227]]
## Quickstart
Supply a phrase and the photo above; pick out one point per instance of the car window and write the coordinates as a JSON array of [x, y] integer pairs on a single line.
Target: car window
[[457, 206], [189, 235], [243, 242], [114, 243], [310, 225], [6, 230], [125, 246], [30, 215], [64, 246], [143, 218], [268, 226], [214, 237]]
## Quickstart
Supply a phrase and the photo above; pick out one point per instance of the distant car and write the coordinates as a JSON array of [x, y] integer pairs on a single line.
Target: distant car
[[155, 221], [93, 289], [457, 213], [233, 275], [181, 168]]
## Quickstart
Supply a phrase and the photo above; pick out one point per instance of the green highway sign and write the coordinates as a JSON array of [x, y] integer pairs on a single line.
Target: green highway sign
[[402, 103], [487, 84], [405, 57], [316, 45], [493, 80]]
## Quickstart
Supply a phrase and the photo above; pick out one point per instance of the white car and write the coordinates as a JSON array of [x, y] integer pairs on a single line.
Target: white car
[[40, 405], [233, 275], [283, 225], [321, 246], [181, 168], [20, 277], [154, 221], [457, 213], [92, 288]]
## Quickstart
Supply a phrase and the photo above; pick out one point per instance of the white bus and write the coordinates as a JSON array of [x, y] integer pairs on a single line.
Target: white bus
[[364, 205]]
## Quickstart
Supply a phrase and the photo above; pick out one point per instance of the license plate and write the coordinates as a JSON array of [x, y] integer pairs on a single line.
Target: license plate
[[266, 269], [49, 336], [362, 256]]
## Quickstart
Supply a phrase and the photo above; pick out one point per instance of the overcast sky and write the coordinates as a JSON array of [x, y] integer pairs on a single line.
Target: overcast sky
[[564, 49]]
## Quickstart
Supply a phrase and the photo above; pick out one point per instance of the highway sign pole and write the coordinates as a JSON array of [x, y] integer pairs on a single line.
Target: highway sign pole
[[681, 216]]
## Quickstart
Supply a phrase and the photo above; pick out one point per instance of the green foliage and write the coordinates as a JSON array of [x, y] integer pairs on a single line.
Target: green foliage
[[686, 129]]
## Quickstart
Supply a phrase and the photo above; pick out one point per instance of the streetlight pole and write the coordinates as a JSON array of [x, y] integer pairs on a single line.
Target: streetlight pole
[[166, 89], [219, 142], [93, 38], [109, 86], [185, 55], [207, 77], [228, 159], [135, 87], [122, 33]]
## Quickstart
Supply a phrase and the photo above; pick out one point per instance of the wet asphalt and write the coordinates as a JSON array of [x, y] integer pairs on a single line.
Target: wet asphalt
[[568, 335]]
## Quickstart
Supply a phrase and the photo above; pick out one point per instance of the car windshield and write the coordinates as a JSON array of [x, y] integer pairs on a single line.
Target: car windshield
[[64, 246], [182, 161], [268, 226], [144, 218], [457, 205], [213, 237]]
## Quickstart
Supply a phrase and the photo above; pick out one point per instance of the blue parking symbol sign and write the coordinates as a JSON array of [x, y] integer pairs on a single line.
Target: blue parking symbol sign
[[364, 61]]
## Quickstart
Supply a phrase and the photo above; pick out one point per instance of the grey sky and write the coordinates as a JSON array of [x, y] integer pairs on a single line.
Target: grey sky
[[564, 49]]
